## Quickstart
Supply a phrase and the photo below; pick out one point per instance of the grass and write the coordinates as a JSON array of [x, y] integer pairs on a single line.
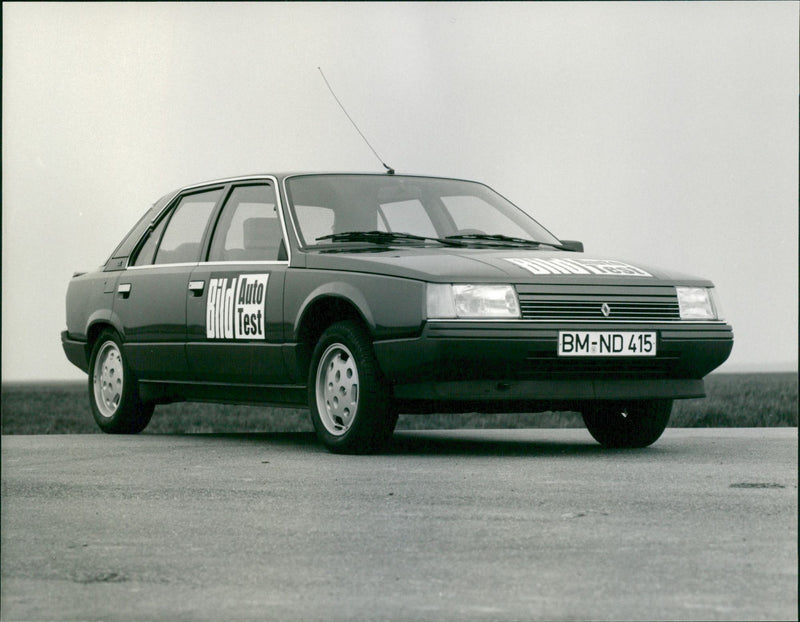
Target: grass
[[734, 400]]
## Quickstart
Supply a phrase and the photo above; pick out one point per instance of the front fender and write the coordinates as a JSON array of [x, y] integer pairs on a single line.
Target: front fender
[[391, 307], [340, 290]]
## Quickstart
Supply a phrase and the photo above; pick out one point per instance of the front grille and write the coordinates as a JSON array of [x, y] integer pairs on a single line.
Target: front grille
[[582, 304]]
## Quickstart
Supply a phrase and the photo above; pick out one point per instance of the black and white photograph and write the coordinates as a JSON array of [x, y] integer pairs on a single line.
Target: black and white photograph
[[400, 311]]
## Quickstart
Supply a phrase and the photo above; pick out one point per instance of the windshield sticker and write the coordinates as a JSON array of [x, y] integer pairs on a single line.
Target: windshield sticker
[[604, 267], [235, 307]]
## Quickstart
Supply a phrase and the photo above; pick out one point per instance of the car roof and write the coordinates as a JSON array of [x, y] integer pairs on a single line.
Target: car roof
[[284, 175]]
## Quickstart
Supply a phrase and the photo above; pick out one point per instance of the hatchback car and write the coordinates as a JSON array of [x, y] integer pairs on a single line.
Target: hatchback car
[[364, 296]]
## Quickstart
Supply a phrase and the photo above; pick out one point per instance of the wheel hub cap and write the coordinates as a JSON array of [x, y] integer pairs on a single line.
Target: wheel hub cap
[[108, 379], [337, 389]]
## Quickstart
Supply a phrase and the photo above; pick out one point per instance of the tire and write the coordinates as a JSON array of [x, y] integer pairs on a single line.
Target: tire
[[627, 424], [350, 402], [113, 389]]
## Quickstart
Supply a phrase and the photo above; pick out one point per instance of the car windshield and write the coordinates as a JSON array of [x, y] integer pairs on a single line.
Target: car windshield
[[333, 209]]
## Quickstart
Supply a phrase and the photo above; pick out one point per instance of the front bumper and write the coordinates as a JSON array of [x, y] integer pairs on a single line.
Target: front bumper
[[517, 362]]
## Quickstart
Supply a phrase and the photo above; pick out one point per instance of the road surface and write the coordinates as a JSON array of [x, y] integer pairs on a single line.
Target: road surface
[[447, 525]]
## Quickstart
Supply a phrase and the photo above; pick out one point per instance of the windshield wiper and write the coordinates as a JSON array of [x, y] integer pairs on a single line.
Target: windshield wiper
[[496, 237], [384, 237]]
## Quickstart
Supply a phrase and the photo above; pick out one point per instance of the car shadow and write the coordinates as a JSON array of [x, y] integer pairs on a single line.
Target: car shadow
[[479, 443], [486, 443]]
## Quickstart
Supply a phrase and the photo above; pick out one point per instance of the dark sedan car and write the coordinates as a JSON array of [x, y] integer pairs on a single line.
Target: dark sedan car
[[367, 295]]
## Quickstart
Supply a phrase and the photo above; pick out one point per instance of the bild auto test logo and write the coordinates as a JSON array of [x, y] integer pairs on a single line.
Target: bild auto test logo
[[604, 267], [235, 307]]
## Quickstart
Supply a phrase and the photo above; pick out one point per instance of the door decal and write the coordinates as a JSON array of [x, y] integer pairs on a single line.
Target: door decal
[[235, 307]]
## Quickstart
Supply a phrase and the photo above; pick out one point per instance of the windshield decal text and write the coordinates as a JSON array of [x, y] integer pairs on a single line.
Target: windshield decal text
[[604, 267], [235, 307]]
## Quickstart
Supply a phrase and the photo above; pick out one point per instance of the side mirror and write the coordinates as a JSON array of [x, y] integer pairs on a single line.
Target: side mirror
[[572, 245]]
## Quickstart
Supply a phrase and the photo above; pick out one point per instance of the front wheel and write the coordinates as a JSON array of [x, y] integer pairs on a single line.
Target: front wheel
[[113, 390], [350, 405], [627, 424]]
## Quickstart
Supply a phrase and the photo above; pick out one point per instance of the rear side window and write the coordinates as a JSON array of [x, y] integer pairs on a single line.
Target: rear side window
[[184, 231]]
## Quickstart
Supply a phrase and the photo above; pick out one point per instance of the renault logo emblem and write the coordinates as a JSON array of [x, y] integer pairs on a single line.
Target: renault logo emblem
[[605, 309]]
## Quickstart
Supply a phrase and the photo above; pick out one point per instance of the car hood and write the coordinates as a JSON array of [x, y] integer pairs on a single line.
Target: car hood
[[494, 265]]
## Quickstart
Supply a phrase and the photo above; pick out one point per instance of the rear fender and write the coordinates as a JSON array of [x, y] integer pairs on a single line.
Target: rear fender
[[101, 319]]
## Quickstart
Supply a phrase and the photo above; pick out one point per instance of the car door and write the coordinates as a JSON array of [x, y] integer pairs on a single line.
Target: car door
[[234, 307], [151, 293]]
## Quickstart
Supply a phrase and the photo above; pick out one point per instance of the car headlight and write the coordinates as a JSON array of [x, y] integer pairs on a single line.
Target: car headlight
[[698, 303], [446, 301]]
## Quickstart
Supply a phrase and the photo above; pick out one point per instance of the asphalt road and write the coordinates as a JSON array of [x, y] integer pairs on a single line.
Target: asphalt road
[[447, 525]]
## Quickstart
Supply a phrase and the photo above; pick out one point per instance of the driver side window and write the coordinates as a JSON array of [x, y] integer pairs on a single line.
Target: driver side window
[[249, 228]]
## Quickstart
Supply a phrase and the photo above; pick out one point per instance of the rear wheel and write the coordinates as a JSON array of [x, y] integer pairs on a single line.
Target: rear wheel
[[350, 405], [113, 390], [627, 424]]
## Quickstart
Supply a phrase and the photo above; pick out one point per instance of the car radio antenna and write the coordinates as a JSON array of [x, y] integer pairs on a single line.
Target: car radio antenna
[[388, 168]]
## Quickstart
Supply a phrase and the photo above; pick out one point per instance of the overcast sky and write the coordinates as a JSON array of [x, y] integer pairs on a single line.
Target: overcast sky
[[665, 133]]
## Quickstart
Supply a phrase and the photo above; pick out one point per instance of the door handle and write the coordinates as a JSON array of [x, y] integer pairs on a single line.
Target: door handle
[[196, 287], [124, 289]]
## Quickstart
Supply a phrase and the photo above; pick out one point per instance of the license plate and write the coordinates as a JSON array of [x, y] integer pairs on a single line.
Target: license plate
[[606, 343]]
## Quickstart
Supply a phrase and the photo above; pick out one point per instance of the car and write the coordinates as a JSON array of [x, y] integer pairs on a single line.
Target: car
[[363, 296]]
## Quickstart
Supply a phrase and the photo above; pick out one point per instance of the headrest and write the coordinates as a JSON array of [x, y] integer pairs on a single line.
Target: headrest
[[260, 232]]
